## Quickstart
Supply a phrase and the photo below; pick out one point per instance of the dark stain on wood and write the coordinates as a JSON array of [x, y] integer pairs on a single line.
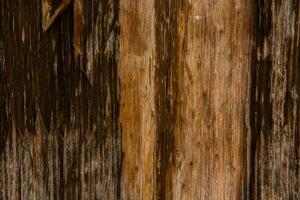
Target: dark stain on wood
[[63, 135], [168, 73], [274, 107], [4, 114]]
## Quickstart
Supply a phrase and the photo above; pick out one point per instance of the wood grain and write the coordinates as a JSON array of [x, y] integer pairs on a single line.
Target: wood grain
[[150, 99], [136, 68], [274, 101], [60, 109]]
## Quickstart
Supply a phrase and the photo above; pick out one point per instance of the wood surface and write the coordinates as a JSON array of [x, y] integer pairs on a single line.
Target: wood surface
[[150, 99]]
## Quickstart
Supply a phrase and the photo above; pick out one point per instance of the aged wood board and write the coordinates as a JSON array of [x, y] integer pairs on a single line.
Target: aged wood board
[[149, 99]]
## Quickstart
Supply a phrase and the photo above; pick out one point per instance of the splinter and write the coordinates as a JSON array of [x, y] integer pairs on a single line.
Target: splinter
[[50, 14], [48, 17]]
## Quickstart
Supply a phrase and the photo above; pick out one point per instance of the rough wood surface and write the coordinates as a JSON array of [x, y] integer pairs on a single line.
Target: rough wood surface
[[150, 99], [190, 144], [137, 63], [59, 111], [275, 156]]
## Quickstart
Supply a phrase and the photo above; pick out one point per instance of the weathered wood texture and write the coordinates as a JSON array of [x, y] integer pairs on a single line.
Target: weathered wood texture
[[274, 109], [150, 99], [59, 112], [192, 58]]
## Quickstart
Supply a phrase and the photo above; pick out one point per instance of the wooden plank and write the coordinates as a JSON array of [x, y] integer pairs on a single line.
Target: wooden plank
[[59, 102], [202, 67], [206, 44], [275, 158], [146, 99], [137, 64]]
